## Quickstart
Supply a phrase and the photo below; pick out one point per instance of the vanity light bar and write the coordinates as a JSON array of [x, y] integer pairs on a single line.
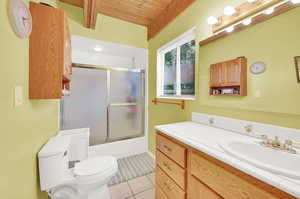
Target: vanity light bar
[[213, 20], [279, 8], [230, 11]]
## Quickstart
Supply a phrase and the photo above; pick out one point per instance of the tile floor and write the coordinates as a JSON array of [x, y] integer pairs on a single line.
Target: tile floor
[[138, 188]]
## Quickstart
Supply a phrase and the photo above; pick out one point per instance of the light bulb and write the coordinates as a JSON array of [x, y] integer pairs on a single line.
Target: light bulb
[[295, 1], [97, 49], [230, 29], [248, 21], [229, 10], [269, 11], [212, 20], [251, 1]]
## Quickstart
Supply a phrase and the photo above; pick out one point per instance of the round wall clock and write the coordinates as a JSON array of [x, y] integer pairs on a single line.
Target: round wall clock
[[20, 18], [258, 68]]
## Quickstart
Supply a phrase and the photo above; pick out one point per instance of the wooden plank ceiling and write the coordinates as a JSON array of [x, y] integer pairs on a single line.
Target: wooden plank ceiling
[[154, 14]]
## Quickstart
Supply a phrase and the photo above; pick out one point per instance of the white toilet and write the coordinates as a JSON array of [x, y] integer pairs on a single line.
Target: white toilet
[[87, 180]]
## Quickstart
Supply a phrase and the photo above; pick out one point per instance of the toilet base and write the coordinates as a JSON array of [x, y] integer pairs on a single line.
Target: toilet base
[[68, 192], [102, 193]]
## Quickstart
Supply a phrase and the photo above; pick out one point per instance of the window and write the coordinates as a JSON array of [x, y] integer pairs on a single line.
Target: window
[[176, 68]]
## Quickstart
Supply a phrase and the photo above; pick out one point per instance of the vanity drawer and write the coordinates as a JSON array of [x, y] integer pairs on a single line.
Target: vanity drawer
[[171, 168], [225, 183], [168, 186], [172, 150], [159, 194]]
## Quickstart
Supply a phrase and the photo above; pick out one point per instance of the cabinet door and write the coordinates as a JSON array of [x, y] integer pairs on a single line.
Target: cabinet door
[[215, 75], [233, 71], [197, 190], [159, 194]]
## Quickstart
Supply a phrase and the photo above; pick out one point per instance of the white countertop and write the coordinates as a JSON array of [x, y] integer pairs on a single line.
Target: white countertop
[[205, 139]]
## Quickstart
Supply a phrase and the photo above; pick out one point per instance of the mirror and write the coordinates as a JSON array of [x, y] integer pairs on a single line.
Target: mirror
[[297, 64]]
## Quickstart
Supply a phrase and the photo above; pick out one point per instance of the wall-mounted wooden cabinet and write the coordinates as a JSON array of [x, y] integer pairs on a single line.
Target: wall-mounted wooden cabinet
[[229, 78], [50, 65]]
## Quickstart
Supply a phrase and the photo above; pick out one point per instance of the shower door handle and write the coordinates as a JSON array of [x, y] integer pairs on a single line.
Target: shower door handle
[[123, 104]]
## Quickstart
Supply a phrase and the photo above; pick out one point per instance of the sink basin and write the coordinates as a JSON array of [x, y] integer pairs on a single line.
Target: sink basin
[[275, 161]]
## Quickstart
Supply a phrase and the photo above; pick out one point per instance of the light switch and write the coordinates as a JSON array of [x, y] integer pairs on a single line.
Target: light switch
[[18, 96]]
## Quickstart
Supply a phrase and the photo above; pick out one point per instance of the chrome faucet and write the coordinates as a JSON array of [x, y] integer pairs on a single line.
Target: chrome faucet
[[276, 144]]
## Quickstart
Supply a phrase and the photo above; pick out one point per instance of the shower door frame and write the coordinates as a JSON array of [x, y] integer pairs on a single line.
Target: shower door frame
[[108, 70]]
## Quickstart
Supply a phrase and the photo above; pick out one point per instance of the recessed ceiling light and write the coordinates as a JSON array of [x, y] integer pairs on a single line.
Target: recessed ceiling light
[[251, 1], [229, 10], [97, 49], [230, 29], [248, 21], [269, 11], [295, 1], [212, 20]]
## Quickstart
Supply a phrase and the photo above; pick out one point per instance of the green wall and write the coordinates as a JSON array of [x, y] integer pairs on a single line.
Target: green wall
[[274, 42], [107, 28], [26, 128]]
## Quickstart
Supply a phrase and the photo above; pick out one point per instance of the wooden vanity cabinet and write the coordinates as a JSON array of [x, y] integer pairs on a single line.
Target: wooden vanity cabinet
[[183, 172], [198, 190], [229, 75], [50, 65]]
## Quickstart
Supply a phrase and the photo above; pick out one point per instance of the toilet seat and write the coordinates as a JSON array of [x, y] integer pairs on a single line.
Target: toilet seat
[[93, 169]]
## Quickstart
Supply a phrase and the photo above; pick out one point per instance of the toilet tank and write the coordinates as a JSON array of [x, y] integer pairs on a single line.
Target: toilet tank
[[53, 162], [79, 143]]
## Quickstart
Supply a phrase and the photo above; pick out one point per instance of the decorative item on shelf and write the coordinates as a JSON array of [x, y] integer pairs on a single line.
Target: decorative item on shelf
[[245, 15], [181, 103], [227, 91], [258, 68], [297, 64], [20, 18]]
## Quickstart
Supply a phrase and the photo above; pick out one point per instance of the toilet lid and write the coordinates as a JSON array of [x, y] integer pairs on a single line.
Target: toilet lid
[[95, 165]]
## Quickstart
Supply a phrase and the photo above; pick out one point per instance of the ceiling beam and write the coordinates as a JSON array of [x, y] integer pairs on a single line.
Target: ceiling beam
[[175, 8], [90, 13]]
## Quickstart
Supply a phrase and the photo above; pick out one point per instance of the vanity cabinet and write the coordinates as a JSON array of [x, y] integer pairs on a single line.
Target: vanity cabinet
[[183, 172], [50, 65], [198, 190], [229, 75]]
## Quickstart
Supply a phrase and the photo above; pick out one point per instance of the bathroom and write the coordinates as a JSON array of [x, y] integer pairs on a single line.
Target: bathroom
[[183, 123]]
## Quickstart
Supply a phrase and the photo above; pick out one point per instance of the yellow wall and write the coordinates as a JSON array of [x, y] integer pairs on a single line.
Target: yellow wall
[[107, 28], [274, 42], [26, 128]]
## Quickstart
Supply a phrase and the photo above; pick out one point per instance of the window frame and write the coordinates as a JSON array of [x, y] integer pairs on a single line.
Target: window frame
[[160, 55]]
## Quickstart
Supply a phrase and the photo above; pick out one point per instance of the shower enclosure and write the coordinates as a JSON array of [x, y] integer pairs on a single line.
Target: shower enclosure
[[108, 100]]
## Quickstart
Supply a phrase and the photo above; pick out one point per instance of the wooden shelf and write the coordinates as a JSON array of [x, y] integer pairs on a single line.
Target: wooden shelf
[[230, 74]]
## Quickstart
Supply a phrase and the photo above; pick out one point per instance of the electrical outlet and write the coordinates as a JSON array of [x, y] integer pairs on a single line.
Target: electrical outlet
[[18, 97], [257, 94]]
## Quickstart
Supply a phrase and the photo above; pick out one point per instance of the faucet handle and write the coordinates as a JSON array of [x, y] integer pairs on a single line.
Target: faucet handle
[[248, 128], [276, 142], [265, 139], [288, 142]]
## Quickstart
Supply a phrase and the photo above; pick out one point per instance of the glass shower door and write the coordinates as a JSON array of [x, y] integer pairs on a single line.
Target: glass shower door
[[109, 101], [86, 107], [126, 104]]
